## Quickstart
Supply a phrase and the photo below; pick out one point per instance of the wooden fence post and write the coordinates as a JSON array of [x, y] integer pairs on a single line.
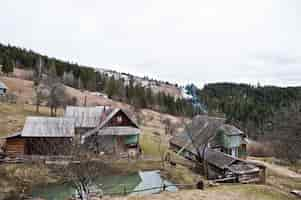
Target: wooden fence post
[[124, 190]]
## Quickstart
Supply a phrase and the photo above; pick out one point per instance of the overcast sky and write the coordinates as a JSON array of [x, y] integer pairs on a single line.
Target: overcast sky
[[180, 41]]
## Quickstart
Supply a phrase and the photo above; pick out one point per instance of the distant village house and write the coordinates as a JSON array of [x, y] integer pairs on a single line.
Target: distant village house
[[3, 89]]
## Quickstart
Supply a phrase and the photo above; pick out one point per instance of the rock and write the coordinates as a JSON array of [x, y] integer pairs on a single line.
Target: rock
[[213, 184], [296, 192]]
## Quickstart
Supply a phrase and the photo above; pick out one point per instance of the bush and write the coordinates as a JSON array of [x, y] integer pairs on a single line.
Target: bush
[[260, 149]]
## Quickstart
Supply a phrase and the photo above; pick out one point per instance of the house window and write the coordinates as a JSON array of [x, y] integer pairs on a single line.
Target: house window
[[119, 119]]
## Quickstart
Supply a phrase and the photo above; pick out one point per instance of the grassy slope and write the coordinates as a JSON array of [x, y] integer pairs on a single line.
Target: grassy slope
[[152, 121], [233, 192], [12, 116]]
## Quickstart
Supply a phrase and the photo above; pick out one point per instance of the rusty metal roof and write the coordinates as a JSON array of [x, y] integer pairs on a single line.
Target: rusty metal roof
[[230, 130]]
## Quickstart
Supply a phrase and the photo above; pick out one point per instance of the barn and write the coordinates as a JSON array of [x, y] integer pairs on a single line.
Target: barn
[[41, 136]]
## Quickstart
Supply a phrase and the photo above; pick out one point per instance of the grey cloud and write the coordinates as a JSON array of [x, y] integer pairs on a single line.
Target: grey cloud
[[174, 40]]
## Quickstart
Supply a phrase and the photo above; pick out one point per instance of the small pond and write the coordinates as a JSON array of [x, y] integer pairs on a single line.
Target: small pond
[[110, 184]]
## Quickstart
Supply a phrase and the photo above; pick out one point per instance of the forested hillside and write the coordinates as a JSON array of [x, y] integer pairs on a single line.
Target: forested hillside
[[82, 77], [249, 105], [267, 114]]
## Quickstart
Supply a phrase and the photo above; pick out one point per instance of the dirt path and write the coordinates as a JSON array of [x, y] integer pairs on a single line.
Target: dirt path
[[280, 170]]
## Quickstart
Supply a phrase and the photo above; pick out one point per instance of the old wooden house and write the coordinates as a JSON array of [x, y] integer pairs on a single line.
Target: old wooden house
[[222, 137], [41, 136], [116, 134], [225, 145], [231, 141]]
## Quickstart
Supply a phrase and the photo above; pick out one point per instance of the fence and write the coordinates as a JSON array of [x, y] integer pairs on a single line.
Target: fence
[[158, 189]]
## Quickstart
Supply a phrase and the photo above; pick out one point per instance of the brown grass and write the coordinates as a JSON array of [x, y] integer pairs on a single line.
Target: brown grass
[[227, 192], [12, 116]]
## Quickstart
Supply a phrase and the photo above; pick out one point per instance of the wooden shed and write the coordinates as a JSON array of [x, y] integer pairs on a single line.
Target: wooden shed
[[41, 136]]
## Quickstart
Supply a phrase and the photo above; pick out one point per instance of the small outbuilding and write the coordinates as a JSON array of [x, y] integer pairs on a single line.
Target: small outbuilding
[[41, 136]]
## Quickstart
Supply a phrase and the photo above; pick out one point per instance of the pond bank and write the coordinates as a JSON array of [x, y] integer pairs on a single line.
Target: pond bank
[[17, 177], [142, 182]]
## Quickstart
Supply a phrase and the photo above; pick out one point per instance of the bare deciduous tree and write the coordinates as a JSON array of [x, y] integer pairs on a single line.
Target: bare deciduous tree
[[169, 126], [200, 132], [40, 95], [83, 171], [39, 92], [56, 91]]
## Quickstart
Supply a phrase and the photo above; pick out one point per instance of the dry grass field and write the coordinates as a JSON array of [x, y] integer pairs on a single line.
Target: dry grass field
[[151, 121], [12, 116], [228, 192]]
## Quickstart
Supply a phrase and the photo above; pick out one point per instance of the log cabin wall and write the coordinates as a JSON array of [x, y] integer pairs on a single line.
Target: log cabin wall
[[48, 146], [15, 147]]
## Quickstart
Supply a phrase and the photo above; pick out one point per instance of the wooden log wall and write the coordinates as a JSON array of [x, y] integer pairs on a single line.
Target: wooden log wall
[[15, 147]]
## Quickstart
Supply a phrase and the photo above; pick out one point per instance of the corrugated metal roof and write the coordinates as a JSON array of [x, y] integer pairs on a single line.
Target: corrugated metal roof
[[86, 117], [2, 85], [231, 130], [48, 127], [217, 158]]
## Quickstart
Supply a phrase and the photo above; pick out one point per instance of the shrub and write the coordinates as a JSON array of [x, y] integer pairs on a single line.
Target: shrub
[[260, 149]]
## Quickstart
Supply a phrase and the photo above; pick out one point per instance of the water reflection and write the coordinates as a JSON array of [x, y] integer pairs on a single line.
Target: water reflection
[[110, 184]]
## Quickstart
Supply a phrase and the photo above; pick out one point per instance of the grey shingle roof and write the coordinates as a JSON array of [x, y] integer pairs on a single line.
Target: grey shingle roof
[[230, 130], [2, 85], [86, 117], [198, 123], [218, 159], [48, 127]]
